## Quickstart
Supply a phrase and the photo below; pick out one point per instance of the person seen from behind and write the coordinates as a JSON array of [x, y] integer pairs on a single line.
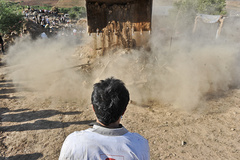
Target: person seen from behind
[[1, 42], [107, 139]]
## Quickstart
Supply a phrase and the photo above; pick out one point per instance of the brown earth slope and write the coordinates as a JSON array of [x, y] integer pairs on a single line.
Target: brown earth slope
[[59, 3]]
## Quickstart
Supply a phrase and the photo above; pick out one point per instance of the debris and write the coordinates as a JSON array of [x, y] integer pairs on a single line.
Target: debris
[[81, 65], [139, 104], [168, 114], [184, 143]]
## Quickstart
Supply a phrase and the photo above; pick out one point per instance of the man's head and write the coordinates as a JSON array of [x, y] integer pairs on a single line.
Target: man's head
[[109, 99]]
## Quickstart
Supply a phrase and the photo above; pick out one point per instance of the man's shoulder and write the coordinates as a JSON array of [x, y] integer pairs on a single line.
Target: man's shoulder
[[78, 134], [77, 137], [135, 135], [136, 138]]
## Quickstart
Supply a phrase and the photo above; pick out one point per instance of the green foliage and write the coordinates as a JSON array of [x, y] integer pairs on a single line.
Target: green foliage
[[72, 15], [35, 7], [192, 7], [212, 7], [75, 8], [185, 11], [10, 17], [45, 7], [83, 12], [15, 6], [64, 10], [80, 12]]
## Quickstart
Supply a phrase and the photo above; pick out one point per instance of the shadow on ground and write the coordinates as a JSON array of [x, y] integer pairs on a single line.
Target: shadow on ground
[[33, 156], [32, 115], [43, 124], [7, 88]]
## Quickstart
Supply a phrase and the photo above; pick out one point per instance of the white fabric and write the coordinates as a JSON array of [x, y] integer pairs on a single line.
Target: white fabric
[[99, 143], [43, 35], [209, 18]]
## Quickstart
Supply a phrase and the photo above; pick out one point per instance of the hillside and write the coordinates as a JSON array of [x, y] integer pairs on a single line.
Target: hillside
[[231, 4], [71, 3], [59, 3]]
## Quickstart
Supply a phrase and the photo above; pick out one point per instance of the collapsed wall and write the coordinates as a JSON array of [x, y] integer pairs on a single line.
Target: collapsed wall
[[117, 21]]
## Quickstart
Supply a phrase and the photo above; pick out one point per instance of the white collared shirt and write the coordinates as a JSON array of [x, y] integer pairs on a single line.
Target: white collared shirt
[[100, 143]]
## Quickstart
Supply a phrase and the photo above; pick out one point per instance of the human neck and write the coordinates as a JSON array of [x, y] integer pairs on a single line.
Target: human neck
[[111, 125]]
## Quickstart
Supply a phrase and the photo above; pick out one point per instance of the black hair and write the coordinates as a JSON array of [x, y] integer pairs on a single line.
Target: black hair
[[109, 98]]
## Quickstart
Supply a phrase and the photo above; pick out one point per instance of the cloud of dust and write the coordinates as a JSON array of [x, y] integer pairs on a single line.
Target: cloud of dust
[[190, 66], [180, 69], [183, 77], [45, 65]]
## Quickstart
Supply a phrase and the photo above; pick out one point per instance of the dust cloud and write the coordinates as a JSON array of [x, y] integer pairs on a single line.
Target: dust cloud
[[182, 77], [183, 68], [45, 65], [192, 66], [179, 69]]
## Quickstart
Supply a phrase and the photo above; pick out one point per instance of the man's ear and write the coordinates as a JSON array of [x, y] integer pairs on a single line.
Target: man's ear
[[93, 108]]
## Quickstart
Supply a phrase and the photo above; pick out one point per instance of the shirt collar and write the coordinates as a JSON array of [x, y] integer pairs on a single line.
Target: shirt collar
[[109, 131]]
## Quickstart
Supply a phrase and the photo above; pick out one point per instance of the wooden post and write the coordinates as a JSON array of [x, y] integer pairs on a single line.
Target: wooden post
[[103, 42], [195, 24], [220, 26], [95, 43]]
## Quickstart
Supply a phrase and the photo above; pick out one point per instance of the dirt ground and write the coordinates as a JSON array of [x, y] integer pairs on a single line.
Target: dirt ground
[[33, 127]]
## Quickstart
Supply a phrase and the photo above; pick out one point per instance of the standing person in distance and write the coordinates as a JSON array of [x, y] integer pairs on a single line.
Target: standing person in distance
[[1, 42], [108, 139]]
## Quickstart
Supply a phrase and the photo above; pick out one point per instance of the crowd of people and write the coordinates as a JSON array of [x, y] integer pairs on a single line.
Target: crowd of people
[[46, 18], [59, 24], [46, 24]]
